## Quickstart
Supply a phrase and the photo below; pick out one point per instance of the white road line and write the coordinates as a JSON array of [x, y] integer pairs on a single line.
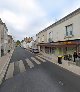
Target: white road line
[[10, 71], [61, 83], [35, 60], [21, 66], [30, 64], [41, 59], [42, 56]]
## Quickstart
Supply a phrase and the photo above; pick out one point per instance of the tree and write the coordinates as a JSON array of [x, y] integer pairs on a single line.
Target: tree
[[18, 43]]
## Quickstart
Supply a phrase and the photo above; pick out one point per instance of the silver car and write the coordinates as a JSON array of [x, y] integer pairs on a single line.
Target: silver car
[[35, 50]]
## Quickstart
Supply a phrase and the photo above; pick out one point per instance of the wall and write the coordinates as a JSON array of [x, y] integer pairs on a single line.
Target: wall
[[42, 36], [0, 40], [59, 30], [5, 40]]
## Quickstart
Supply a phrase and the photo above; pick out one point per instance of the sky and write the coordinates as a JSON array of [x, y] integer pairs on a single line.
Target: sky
[[25, 18]]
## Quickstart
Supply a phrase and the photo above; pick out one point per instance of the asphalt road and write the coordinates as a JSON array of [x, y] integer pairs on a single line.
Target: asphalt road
[[37, 76]]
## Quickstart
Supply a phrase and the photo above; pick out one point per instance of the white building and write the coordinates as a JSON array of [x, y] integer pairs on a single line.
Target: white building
[[63, 36], [31, 45], [24, 44]]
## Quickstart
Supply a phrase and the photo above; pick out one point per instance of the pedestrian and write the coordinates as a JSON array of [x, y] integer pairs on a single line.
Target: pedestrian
[[75, 55], [79, 56]]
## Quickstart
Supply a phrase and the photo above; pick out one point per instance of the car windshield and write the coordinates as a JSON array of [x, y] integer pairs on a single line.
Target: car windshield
[[39, 45]]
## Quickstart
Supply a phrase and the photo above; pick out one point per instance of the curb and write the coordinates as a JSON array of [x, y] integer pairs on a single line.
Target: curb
[[3, 71]]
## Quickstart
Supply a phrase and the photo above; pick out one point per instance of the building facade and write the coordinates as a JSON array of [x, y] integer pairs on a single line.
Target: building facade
[[4, 39], [10, 43], [63, 36], [28, 40], [41, 38], [0, 36]]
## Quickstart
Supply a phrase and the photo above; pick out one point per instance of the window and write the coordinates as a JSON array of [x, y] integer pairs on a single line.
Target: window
[[69, 30], [9, 41], [43, 38], [50, 36], [38, 39]]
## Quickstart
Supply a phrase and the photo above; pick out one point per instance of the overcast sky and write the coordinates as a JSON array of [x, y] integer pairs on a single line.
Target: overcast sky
[[28, 17]]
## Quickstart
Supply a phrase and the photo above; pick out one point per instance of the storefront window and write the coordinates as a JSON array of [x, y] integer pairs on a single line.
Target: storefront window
[[53, 50], [47, 50]]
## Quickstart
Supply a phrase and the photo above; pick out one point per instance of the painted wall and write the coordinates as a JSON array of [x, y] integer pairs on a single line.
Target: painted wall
[[59, 31], [41, 37]]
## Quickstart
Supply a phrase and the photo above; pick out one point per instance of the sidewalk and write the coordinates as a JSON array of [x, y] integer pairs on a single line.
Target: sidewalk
[[4, 62], [65, 64]]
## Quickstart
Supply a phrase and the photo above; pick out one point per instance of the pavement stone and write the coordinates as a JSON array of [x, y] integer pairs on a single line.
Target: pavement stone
[[69, 65], [4, 62]]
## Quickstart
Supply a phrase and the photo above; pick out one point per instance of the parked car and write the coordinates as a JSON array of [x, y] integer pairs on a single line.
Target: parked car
[[35, 50], [30, 49]]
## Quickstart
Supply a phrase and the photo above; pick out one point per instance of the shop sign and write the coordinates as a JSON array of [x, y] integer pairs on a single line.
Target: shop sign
[[70, 42], [67, 42], [75, 42]]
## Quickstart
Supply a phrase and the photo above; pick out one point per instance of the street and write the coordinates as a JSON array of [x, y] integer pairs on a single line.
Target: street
[[28, 72]]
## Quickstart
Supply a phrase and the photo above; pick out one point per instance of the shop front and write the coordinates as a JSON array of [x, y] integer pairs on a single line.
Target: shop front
[[68, 47], [49, 50], [61, 47]]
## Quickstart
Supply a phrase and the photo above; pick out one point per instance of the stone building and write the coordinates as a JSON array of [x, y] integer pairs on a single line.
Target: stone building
[[4, 38], [10, 43], [28, 40]]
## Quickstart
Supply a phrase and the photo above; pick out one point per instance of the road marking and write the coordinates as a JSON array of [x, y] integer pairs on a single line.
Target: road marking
[[35, 60], [21, 66], [42, 56], [30, 64], [40, 59], [10, 71], [61, 83]]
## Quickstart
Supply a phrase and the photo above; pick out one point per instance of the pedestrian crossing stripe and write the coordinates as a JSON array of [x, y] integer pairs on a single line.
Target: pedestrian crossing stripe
[[21, 66], [30, 64], [43, 57], [35, 60], [40, 59], [10, 71]]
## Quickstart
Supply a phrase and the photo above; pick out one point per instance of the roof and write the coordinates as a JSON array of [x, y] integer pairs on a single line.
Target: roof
[[61, 20]]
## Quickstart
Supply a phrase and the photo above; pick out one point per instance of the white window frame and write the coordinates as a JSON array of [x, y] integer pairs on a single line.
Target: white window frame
[[69, 29], [43, 38]]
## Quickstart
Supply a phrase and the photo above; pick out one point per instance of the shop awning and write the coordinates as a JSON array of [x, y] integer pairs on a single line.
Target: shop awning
[[61, 43]]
